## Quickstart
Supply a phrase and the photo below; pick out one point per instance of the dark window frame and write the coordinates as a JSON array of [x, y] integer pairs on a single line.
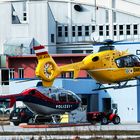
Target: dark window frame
[[59, 28]]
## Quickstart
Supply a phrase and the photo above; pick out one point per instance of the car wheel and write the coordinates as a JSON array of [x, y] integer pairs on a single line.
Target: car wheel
[[16, 123], [104, 121], [116, 120]]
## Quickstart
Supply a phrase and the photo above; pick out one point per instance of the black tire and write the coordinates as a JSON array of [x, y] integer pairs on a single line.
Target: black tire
[[16, 123], [116, 120], [104, 121]]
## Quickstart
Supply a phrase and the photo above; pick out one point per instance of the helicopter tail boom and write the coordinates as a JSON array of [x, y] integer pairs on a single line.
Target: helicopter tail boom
[[48, 70]]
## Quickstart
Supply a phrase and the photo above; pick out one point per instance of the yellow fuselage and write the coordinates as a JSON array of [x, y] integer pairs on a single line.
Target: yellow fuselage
[[102, 67]]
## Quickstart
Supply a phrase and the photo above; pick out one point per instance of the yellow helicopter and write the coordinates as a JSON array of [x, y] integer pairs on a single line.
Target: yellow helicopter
[[108, 66]]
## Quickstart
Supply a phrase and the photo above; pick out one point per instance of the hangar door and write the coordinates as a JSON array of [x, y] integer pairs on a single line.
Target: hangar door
[[106, 104], [92, 102]]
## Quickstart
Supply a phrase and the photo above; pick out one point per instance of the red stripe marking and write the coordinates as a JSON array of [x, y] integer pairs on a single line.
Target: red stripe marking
[[38, 47], [24, 125], [41, 53]]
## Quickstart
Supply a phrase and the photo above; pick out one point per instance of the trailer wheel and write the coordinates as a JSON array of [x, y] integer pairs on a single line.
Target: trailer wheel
[[104, 121], [116, 120]]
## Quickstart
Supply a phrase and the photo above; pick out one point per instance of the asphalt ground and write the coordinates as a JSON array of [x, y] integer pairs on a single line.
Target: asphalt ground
[[74, 127], [111, 131]]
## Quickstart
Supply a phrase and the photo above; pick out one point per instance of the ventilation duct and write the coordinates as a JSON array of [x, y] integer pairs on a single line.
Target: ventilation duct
[[78, 7]]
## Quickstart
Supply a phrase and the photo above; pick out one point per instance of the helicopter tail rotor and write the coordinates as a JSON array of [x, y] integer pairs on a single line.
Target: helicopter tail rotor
[[46, 68]]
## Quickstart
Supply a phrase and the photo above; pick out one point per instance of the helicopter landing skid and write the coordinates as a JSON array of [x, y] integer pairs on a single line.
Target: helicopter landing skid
[[119, 86]]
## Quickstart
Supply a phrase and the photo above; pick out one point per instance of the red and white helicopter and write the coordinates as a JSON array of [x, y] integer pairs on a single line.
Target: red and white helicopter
[[45, 100]]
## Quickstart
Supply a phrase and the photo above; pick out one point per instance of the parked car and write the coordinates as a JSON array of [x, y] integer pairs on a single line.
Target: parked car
[[103, 117], [21, 115]]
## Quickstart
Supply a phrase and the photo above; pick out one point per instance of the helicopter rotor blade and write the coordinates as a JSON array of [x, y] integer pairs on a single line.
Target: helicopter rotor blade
[[26, 80]]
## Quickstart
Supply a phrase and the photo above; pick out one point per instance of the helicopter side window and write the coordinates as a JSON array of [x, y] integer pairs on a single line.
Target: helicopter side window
[[53, 96], [62, 97], [136, 60], [129, 62], [96, 58], [71, 98], [126, 61]]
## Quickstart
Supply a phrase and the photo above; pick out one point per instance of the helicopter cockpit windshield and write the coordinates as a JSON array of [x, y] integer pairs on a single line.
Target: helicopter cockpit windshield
[[128, 61], [65, 96]]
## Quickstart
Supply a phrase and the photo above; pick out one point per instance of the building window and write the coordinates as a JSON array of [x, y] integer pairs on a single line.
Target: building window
[[4, 76], [60, 31], [21, 73], [93, 28], [86, 30], [77, 51], [66, 31], [15, 17], [12, 73], [25, 16], [71, 74], [114, 16], [101, 30], [89, 51], [128, 30], [24, 11], [79, 30], [137, 52], [52, 38], [107, 16], [115, 30], [107, 30], [121, 29], [135, 29], [63, 75], [113, 3], [73, 31]]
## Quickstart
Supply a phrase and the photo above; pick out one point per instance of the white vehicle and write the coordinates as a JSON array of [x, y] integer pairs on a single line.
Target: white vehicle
[[4, 110]]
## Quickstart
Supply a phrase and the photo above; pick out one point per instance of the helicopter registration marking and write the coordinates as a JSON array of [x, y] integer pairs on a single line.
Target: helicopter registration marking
[[136, 69], [129, 71], [63, 106]]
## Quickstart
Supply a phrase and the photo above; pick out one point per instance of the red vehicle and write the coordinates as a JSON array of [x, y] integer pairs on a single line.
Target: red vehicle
[[103, 117]]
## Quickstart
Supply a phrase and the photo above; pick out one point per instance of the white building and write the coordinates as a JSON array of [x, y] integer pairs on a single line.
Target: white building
[[55, 23]]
